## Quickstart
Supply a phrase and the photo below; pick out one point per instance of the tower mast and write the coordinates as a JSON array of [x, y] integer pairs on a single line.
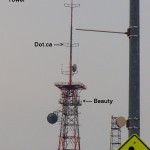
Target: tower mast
[[70, 67], [69, 137]]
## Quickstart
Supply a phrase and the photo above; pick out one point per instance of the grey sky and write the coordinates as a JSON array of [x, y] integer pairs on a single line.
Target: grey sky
[[28, 73]]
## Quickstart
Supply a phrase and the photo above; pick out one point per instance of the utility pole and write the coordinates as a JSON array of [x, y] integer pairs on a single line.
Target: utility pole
[[133, 32], [134, 69]]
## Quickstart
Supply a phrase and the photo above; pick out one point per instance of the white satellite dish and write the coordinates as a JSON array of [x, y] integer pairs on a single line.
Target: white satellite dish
[[120, 121]]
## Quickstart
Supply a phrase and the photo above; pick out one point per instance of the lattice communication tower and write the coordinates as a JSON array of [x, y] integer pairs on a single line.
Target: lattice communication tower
[[115, 135], [68, 115]]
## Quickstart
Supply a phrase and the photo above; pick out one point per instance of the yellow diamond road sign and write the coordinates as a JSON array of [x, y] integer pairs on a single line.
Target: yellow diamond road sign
[[134, 143]]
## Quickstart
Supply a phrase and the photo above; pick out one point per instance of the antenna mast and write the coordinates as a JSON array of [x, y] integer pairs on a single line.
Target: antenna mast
[[71, 44], [69, 137], [70, 67]]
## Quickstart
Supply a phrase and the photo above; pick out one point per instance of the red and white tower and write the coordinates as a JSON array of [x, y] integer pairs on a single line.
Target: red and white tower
[[69, 137]]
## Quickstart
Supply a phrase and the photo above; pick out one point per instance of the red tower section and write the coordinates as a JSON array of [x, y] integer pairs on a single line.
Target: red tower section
[[69, 138]]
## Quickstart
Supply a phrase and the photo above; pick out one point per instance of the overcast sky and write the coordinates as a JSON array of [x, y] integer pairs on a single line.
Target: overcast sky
[[28, 73]]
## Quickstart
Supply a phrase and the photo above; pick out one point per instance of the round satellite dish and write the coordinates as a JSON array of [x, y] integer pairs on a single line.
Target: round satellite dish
[[74, 68], [120, 121], [52, 118]]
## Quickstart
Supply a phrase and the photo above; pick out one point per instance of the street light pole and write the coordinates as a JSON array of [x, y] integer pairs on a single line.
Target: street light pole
[[134, 69], [133, 32]]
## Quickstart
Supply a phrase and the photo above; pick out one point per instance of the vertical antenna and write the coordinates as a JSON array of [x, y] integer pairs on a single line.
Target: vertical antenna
[[71, 45], [70, 67]]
